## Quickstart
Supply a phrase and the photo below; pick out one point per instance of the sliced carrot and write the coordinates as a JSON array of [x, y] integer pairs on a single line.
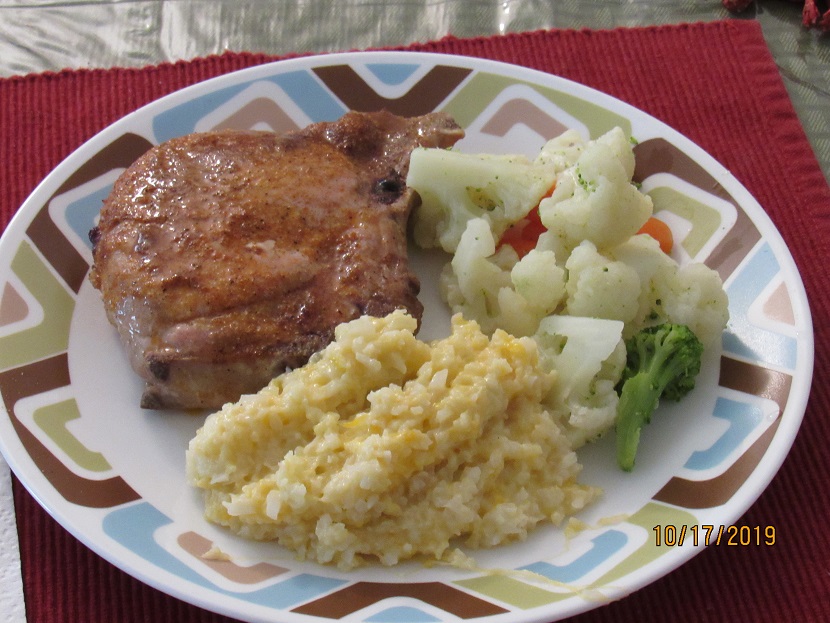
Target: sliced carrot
[[524, 235], [658, 230], [522, 246]]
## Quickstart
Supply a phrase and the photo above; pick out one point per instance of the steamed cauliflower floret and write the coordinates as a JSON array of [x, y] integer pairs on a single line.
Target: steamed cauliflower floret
[[593, 414], [600, 287], [472, 284], [639, 284], [455, 187], [594, 198], [619, 144], [588, 355], [695, 297], [514, 314], [692, 294], [498, 290], [539, 280], [562, 151], [653, 267]]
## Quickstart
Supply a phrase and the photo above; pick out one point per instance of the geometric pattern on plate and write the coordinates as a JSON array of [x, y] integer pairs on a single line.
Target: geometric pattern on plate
[[50, 264]]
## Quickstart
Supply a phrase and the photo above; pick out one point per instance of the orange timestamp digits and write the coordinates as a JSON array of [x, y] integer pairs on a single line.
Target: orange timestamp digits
[[671, 535]]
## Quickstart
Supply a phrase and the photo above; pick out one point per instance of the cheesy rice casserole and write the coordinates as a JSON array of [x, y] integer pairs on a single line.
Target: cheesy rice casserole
[[384, 448]]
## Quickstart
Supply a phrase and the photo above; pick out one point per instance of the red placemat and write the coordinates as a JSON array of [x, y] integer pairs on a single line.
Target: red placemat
[[714, 82]]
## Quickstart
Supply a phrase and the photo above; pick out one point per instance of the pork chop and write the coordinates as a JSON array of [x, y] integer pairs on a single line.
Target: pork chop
[[225, 257]]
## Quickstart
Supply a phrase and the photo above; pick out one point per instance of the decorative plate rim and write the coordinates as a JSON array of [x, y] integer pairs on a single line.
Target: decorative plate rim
[[742, 498]]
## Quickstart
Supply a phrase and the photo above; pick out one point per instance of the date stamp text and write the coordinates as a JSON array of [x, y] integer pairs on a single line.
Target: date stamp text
[[670, 535]]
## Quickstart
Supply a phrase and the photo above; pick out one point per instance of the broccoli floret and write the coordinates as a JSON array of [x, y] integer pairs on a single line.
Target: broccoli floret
[[662, 362]]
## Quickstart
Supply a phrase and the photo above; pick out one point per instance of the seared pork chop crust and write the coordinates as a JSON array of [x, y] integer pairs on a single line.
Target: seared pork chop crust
[[225, 257]]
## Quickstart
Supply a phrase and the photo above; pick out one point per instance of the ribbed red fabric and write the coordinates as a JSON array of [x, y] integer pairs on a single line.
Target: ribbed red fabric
[[717, 84]]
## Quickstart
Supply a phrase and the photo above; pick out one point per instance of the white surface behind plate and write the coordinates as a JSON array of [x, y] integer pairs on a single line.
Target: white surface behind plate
[[12, 604]]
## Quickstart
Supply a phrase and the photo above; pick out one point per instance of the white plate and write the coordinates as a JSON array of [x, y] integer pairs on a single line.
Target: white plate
[[113, 474]]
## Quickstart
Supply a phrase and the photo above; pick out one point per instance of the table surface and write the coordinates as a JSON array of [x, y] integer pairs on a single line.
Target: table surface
[[40, 35]]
